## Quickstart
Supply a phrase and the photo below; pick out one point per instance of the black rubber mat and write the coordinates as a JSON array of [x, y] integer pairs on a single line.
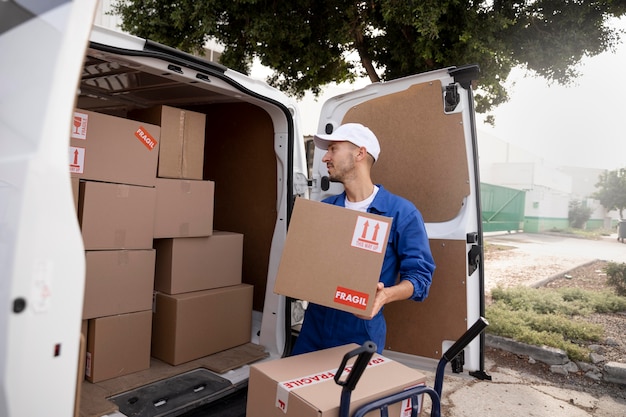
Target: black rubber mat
[[233, 405], [175, 395]]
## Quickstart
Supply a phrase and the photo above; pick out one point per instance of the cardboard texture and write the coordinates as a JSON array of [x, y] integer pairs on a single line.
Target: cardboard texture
[[181, 150], [198, 263], [333, 256], [118, 345], [116, 216], [184, 208], [113, 149], [231, 144], [118, 282], [410, 328], [80, 373], [75, 187], [196, 324], [304, 385], [417, 137]]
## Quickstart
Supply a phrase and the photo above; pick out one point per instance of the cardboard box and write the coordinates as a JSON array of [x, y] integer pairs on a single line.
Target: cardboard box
[[198, 263], [113, 149], [80, 377], [118, 282], [333, 256], [75, 188], [184, 208], [304, 385], [116, 216], [196, 324], [118, 345], [181, 150]]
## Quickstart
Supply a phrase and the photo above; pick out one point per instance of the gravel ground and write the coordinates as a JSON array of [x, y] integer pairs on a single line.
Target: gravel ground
[[508, 266]]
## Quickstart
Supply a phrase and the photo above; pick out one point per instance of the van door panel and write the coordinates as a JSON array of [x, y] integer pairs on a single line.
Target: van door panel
[[423, 156], [421, 328]]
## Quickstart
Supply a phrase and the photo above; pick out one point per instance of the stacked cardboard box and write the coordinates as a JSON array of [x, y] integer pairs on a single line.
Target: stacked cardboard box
[[181, 152], [198, 283], [158, 276], [115, 160], [198, 270]]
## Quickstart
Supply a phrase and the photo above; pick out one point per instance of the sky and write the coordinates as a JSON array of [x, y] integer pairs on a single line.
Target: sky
[[581, 125]]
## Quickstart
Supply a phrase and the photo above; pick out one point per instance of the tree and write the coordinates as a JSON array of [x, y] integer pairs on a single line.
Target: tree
[[310, 43], [578, 214], [611, 192]]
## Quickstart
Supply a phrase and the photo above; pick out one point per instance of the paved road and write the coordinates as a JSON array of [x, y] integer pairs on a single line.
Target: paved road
[[577, 249], [537, 258]]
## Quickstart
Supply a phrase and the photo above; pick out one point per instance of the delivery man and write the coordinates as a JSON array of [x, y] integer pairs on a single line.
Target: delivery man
[[351, 151]]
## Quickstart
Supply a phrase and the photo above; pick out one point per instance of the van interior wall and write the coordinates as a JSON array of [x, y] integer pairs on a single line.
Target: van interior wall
[[240, 159]]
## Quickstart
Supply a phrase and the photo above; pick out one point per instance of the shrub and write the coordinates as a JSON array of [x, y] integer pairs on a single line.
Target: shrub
[[616, 276], [551, 317], [578, 214]]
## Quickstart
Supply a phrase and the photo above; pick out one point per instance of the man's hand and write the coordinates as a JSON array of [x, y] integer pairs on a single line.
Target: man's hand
[[402, 291], [379, 302]]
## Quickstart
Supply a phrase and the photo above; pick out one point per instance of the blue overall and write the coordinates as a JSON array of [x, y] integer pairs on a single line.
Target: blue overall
[[408, 255]]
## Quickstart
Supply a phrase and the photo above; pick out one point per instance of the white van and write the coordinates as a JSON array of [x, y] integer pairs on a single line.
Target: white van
[[54, 60]]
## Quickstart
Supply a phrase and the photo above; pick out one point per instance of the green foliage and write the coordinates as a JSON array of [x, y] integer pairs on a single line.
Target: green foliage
[[578, 214], [616, 276], [550, 317], [611, 190], [309, 43]]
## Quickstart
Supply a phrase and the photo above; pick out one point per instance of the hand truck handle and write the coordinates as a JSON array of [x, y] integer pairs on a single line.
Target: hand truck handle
[[364, 354]]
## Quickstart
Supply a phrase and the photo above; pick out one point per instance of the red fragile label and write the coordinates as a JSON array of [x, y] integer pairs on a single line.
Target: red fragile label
[[146, 138], [351, 298]]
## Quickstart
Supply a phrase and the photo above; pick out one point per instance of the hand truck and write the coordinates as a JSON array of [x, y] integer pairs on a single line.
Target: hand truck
[[364, 354]]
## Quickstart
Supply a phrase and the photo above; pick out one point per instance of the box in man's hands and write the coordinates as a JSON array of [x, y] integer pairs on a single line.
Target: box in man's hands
[[333, 256]]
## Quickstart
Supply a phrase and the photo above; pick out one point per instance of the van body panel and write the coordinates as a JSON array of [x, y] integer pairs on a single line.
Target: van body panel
[[41, 250]]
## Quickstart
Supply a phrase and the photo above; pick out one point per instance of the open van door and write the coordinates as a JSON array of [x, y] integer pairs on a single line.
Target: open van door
[[426, 127], [42, 46]]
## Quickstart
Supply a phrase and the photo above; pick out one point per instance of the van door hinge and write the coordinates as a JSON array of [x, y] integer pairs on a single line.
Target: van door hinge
[[300, 184], [452, 98], [473, 259]]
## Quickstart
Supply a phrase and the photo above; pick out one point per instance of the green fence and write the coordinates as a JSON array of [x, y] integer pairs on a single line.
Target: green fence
[[502, 208]]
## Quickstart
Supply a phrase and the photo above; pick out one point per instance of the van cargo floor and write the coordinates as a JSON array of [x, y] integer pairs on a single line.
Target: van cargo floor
[[96, 398]]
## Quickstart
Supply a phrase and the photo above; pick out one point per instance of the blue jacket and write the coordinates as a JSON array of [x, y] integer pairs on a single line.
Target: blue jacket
[[408, 255]]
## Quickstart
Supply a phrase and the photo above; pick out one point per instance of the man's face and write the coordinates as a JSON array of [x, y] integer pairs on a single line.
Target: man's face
[[340, 161]]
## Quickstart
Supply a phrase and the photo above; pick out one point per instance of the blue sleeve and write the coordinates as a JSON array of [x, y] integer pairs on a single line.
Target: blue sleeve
[[414, 255]]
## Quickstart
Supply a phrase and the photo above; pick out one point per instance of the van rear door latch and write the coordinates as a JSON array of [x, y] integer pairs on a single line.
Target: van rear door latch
[[451, 97]]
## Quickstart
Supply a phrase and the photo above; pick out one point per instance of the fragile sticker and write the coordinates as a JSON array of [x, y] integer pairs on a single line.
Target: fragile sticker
[[79, 125], [369, 234], [285, 387], [351, 298], [77, 159], [407, 404], [146, 138]]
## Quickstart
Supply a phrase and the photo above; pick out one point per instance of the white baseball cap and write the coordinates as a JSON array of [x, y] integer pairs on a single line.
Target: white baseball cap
[[354, 133]]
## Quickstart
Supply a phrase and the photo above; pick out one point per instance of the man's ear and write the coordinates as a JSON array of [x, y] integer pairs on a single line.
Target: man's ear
[[362, 153]]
